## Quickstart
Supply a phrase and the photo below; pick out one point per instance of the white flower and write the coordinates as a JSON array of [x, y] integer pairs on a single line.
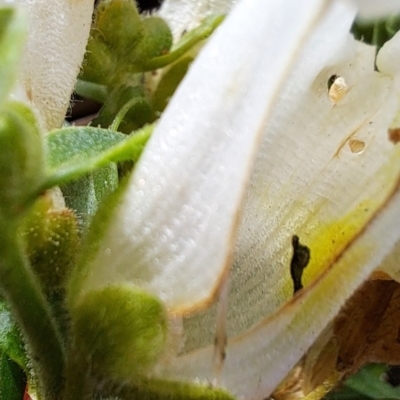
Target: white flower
[[251, 151], [369, 9], [58, 33], [184, 15]]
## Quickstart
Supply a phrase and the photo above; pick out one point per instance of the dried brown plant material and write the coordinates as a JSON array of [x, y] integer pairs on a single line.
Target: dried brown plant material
[[367, 329]]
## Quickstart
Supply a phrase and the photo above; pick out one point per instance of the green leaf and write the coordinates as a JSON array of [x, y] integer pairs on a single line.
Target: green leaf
[[74, 152], [393, 25], [11, 343], [139, 112], [21, 158], [12, 379], [170, 80], [376, 32], [105, 181], [85, 195], [368, 382], [81, 198], [72, 146], [13, 29], [345, 393]]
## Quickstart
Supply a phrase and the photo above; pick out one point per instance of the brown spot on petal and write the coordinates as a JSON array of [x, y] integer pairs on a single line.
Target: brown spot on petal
[[394, 135]]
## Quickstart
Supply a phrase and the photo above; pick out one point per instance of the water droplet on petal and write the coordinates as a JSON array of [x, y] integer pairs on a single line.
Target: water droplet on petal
[[356, 146], [337, 88]]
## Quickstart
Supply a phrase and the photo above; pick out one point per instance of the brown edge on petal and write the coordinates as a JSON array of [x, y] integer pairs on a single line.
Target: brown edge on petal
[[214, 293]]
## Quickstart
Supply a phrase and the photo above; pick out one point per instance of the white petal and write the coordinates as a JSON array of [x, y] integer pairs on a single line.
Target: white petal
[[172, 233], [322, 172], [58, 34], [314, 185], [369, 9], [388, 58], [184, 15], [260, 359]]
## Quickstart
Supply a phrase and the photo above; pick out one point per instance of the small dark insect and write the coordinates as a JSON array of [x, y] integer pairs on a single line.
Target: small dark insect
[[331, 80], [300, 260]]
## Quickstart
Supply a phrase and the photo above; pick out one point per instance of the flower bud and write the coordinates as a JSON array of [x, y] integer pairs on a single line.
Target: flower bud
[[119, 25], [122, 330], [157, 40]]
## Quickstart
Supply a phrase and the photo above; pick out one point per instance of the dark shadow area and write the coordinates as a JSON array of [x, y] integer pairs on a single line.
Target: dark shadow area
[[148, 5]]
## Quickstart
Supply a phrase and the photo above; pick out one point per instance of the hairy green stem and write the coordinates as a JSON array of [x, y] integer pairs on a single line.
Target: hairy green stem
[[92, 91], [122, 112], [379, 34], [77, 382], [30, 309]]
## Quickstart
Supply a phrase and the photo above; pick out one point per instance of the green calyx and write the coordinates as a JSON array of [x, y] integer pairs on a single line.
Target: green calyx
[[123, 52], [156, 41], [122, 331], [122, 42], [118, 24]]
